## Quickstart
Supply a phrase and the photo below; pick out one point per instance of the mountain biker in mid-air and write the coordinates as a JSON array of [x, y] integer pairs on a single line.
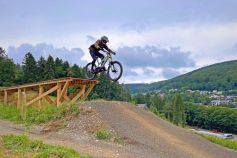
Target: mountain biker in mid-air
[[94, 49]]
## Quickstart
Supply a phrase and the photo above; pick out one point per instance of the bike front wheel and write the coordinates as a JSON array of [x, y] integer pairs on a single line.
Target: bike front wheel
[[89, 74], [115, 70]]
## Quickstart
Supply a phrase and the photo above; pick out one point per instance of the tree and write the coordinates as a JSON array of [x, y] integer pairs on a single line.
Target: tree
[[157, 101], [49, 69], [30, 69], [7, 72], [41, 66], [19, 76], [2, 53], [59, 71], [66, 69], [76, 71], [178, 111], [106, 89]]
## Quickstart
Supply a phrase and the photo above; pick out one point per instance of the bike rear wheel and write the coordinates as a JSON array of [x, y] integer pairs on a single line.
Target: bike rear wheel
[[89, 74], [115, 71]]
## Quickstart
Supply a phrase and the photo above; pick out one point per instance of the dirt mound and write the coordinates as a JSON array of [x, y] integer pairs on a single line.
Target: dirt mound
[[144, 134]]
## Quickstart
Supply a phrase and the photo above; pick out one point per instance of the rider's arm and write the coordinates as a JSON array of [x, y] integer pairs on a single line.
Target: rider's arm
[[107, 48]]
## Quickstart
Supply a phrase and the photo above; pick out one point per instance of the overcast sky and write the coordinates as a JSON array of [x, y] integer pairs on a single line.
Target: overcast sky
[[154, 39]]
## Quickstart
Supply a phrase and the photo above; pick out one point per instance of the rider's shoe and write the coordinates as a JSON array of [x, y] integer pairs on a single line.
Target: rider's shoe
[[103, 68]]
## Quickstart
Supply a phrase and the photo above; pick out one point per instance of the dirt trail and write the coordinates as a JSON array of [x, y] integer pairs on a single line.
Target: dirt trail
[[146, 135]]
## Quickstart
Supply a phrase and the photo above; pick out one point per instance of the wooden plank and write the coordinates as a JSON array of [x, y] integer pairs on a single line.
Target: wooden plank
[[48, 82], [42, 95], [49, 99], [79, 94], [59, 89], [41, 91], [5, 96]]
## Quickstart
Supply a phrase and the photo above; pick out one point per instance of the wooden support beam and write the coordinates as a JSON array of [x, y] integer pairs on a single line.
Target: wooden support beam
[[88, 91], [41, 91], [23, 105], [42, 95], [59, 89], [79, 94], [66, 98], [5, 96], [19, 98], [49, 100], [64, 91]]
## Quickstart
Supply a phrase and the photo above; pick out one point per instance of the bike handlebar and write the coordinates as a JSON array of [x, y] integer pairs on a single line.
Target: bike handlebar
[[109, 52]]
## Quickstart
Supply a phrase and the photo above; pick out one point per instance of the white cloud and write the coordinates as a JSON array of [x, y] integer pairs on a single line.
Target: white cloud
[[207, 43]]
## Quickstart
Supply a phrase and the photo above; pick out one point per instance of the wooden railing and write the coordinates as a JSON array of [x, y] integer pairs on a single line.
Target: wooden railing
[[18, 94]]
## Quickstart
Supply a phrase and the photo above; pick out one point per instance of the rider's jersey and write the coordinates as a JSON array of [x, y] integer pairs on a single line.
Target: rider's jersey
[[98, 45]]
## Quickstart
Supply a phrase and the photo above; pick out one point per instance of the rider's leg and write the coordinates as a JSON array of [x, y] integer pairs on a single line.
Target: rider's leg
[[93, 55], [101, 56]]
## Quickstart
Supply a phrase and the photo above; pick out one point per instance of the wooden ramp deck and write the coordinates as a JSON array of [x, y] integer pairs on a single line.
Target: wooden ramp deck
[[18, 94]]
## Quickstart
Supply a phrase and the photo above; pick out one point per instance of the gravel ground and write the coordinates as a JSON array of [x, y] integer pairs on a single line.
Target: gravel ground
[[145, 135]]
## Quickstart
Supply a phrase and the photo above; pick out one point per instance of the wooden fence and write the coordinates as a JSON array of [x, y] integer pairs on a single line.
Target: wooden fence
[[19, 94]]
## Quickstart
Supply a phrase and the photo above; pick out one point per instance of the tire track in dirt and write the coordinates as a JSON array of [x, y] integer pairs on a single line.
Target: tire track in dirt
[[155, 137]]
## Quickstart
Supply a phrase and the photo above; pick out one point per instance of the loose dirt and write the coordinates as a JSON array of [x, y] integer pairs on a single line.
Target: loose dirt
[[143, 135]]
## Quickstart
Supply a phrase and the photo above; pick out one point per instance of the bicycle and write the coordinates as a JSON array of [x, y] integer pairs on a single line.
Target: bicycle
[[114, 68]]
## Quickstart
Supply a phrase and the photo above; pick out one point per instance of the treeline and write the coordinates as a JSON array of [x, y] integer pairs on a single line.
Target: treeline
[[32, 70], [220, 118], [176, 108], [169, 106]]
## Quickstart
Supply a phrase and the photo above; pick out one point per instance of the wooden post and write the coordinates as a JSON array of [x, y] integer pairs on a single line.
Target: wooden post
[[5, 96], [41, 90], [19, 98], [23, 105], [88, 91], [59, 93]]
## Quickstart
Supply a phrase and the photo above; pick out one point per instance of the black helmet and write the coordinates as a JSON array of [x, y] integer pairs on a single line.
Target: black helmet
[[104, 39]]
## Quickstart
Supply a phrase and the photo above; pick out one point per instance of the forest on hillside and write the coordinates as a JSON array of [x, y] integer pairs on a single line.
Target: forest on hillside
[[221, 76], [32, 70]]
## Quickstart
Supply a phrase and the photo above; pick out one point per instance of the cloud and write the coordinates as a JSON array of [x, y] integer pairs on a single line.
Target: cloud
[[43, 49], [170, 73], [152, 56], [138, 27], [90, 39]]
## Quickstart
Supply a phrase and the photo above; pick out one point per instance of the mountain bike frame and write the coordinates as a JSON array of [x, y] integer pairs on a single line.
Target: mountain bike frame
[[108, 57]]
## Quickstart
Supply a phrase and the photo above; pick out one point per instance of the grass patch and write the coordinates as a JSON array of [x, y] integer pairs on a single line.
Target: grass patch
[[103, 134], [14, 146], [120, 141], [35, 116], [231, 144]]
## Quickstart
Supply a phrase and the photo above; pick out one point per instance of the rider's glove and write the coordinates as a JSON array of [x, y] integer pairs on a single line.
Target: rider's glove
[[113, 52]]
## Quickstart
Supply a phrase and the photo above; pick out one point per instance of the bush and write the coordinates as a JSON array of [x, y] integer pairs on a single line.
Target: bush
[[103, 134]]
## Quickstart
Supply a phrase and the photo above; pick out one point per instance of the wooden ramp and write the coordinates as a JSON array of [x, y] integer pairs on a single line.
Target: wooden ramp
[[18, 94]]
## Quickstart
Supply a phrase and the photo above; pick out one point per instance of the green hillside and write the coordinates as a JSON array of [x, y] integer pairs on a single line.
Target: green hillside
[[220, 76]]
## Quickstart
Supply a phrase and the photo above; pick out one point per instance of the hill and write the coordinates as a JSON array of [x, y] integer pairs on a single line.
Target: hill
[[137, 133], [220, 76]]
